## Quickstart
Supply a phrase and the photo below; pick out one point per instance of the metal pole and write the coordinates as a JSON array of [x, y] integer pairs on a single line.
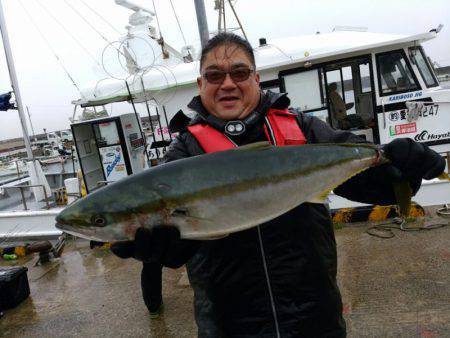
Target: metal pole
[[31, 124], [138, 120], [23, 196], [160, 130], [224, 17], [167, 122], [237, 19], [219, 24], [15, 85], [202, 22]]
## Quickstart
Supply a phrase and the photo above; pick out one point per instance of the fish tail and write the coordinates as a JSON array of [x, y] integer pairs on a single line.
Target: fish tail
[[403, 196]]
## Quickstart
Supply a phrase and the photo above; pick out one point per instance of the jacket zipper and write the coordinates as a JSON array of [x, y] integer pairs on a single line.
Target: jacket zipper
[[272, 302]]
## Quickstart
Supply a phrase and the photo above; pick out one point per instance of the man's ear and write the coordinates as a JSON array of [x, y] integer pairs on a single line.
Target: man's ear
[[257, 78], [199, 83]]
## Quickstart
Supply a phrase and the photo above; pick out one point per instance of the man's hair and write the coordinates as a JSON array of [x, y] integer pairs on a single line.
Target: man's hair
[[227, 39]]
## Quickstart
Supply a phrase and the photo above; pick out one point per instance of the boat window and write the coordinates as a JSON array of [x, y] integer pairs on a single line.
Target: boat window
[[106, 133], [364, 71], [419, 59], [349, 94], [334, 76], [395, 74], [304, 90]]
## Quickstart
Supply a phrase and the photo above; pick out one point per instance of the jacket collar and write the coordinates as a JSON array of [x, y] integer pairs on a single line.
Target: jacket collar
[[267, 100]]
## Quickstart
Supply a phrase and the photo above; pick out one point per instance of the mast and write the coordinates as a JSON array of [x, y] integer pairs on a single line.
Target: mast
[[202, 22], [14, 82]]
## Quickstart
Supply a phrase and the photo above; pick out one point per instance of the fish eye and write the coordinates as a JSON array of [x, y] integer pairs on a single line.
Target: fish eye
[[98, 220]]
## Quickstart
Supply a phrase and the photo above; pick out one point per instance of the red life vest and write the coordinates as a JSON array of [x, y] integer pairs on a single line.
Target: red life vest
[[281, 129]]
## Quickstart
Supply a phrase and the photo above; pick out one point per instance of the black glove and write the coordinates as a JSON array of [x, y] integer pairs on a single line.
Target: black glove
[[149, 244], [413, 161], [410, 161]]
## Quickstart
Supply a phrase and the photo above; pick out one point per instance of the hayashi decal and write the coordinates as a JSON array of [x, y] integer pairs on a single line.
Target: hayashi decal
[[405, 96], [409, 128], [425, 135]]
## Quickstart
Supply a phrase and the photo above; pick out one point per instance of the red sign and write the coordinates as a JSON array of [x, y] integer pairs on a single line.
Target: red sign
[[408, 128]]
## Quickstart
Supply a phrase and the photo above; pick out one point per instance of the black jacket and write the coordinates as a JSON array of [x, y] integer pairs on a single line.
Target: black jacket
[[277, 279]]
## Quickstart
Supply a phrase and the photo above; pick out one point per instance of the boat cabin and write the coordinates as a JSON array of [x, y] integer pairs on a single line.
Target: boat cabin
[[379, 86]]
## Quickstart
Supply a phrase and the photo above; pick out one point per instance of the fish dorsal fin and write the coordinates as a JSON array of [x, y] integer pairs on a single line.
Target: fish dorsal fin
[[263, 145]]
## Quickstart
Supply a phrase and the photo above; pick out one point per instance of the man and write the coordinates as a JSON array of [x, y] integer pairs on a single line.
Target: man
[[338, 109], [277, 279], [151, 278]]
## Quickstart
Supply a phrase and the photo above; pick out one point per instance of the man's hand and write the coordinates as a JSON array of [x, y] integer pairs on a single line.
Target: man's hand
[[148, 245], [414, 161]]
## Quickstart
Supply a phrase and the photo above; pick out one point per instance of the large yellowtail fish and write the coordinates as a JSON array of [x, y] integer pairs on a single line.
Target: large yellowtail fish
[[216, 194]]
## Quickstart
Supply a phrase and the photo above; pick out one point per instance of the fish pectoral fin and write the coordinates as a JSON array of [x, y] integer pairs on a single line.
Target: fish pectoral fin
[[263, 145], [182, 212], [196, 232]]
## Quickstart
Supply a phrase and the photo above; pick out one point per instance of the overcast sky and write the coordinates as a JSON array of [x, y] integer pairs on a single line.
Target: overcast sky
[[48, 92]]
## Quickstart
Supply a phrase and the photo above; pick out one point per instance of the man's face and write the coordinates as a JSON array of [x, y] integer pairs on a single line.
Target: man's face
[[230, 99]]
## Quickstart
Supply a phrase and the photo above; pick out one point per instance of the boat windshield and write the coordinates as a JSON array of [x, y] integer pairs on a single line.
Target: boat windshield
[[418, 58], [395, 73]]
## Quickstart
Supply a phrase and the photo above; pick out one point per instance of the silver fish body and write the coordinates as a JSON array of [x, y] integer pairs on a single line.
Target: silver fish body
[[216, 194]]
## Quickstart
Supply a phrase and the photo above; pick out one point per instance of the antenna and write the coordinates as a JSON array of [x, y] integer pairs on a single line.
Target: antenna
[[222, 26]]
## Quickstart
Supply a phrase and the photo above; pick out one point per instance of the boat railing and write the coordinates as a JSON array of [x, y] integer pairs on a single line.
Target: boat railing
[[22, 187]]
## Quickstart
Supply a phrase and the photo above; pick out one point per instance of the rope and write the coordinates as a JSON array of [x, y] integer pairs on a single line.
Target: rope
[[237, 19], [157, 19], [385, 230], [178, 22], [90, 25], [49, 46], [280, 50], [101, 17], [444, 211], [67, 31]]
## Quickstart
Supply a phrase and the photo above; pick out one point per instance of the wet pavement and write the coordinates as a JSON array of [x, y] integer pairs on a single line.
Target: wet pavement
[[396, 287], [89, 293]]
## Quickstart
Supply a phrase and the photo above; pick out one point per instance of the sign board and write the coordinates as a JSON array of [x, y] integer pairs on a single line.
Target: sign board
[[425, 123], [113, 163]]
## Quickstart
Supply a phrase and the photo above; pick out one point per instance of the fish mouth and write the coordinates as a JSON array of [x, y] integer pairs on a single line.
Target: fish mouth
[[60, 226], [86, 233]]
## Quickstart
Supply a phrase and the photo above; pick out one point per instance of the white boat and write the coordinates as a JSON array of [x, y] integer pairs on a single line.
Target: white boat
[[385, 81]]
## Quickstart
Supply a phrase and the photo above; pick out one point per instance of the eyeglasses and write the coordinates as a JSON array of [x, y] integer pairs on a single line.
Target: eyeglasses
[[218, 76]]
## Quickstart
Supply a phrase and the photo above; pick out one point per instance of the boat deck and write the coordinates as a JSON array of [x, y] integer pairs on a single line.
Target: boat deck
[[395, 287]]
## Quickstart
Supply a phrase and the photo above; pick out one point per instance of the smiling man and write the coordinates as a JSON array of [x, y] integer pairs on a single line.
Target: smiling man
[[277, 279], [229, 85]]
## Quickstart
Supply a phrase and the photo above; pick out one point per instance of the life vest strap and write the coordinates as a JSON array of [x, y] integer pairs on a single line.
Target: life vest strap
[[281, 128], [211, 140]]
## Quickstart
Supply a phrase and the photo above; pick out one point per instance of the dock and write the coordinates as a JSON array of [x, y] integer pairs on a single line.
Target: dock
[[397, 287]]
